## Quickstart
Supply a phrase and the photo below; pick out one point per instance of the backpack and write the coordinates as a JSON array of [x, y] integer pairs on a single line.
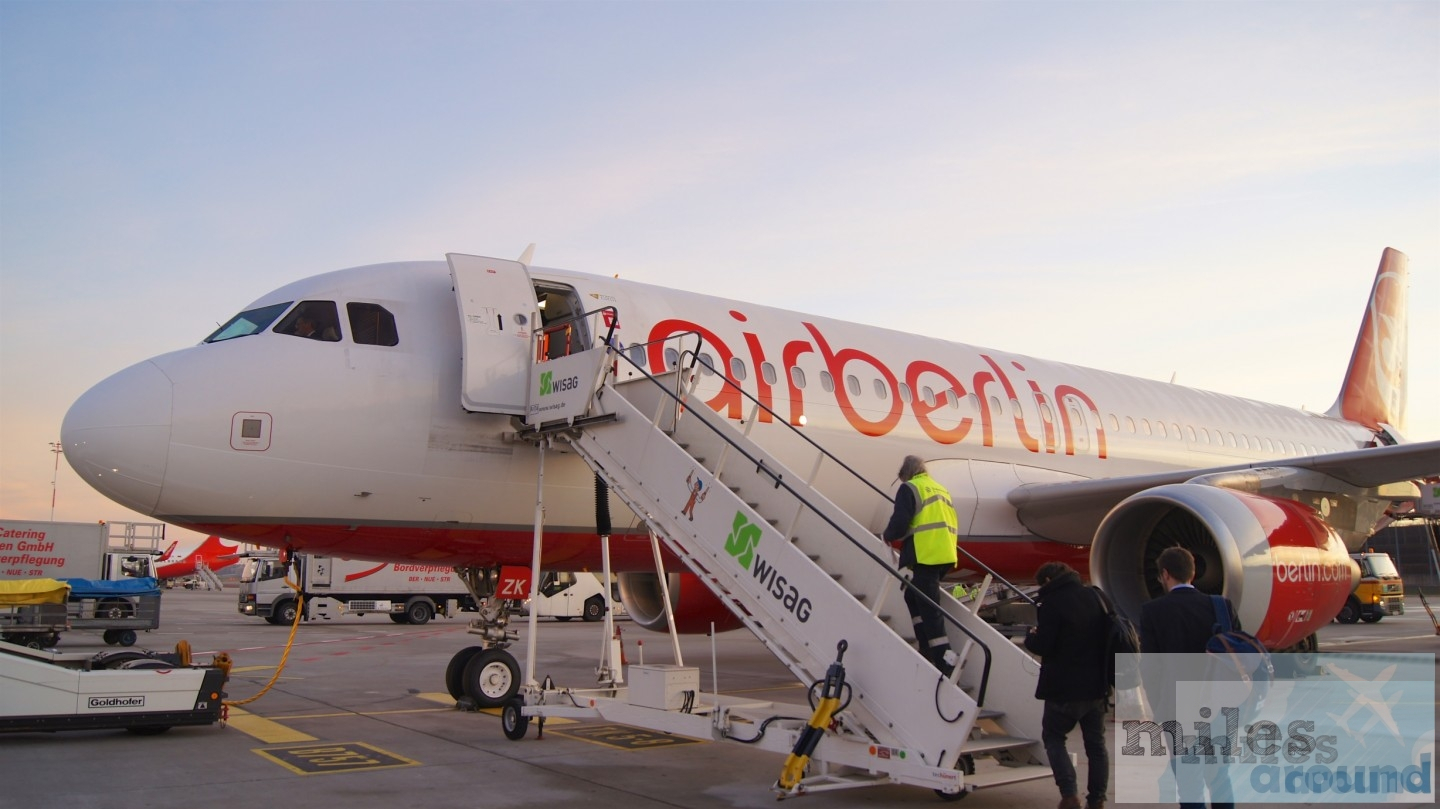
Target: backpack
[[1120, 639], [1238, 656]]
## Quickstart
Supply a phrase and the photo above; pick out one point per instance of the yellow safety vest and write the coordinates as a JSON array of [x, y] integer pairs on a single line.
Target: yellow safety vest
[[934, 527]]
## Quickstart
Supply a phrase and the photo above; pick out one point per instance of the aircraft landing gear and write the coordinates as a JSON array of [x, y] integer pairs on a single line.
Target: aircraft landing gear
[[485, 676]]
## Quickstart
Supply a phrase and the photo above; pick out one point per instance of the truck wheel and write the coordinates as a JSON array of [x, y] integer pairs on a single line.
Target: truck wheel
[[114, 609], [492, 678], [1350, 613], [512, 721], [594, 608], [1373, 616], [455, 672], [419, 611], [285, 612], [399, 618], [108, 636]]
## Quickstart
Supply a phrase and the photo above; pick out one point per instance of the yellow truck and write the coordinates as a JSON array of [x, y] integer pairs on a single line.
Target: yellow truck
[[1379, 593]]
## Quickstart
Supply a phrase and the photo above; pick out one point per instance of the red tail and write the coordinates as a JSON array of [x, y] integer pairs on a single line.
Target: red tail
[[1374, 389]]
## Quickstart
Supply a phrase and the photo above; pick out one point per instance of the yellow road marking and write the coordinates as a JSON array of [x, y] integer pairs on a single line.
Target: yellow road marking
[[265, 730]]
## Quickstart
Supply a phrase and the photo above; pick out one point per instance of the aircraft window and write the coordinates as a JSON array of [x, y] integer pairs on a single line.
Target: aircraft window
[[1232, 441], [1190, 433], [1114, 423], [797, 376], [314, 320], [372, 325], [248, 322], [827, 382], [1145, 426], [880, 390], [707, 365], [767, 370], [995, 406], [853, 383], [737, 369], [1045, 414], [672, 359], [904, 392], [955, 399], [1160, 428], [637, 356], [1269, 445], [1175, 430], [1130, 424], [928, 396]]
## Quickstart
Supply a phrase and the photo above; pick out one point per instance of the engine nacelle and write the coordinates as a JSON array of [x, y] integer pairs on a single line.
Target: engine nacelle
[[1286, 570], [692, 603]]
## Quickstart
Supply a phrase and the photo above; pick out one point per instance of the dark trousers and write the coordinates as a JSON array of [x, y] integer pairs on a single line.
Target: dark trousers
[[929, 626], [1060, 718]]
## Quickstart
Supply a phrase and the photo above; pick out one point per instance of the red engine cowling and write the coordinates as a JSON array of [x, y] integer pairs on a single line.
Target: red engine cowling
[[1285, 569], [694, 606]]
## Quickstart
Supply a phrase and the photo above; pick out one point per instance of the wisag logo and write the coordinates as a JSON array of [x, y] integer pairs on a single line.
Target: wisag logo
[[742, 543], [548, 385]]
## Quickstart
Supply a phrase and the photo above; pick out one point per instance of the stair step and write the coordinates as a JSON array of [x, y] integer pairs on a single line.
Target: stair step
[[1000, 776], [989, 744]]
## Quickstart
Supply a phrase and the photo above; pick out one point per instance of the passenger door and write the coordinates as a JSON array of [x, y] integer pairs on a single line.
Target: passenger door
[[497, 317]]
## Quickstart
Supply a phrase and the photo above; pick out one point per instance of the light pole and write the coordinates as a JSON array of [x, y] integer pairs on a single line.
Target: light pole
[[58, 449]]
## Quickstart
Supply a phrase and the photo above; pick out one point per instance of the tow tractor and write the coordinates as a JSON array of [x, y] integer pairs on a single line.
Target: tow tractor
[[142, 691]]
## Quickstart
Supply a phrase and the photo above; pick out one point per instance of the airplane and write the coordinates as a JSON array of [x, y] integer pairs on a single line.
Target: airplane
[[388, 431], [165, 557], [215, 555]]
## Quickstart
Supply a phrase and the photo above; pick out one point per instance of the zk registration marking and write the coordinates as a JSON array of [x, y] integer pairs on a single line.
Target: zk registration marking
[[316, 759]]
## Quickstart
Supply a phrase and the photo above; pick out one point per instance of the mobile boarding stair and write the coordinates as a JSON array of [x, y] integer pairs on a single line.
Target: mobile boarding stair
[[807, 579]]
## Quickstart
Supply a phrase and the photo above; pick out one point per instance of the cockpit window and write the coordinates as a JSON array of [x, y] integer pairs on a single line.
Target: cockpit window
[[248, 322], [372, 324], [314, 320]]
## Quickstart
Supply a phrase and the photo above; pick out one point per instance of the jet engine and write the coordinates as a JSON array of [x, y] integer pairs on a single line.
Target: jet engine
[[692, 603], [1286, 570]]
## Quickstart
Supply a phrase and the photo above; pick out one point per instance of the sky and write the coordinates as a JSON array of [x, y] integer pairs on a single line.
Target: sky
[[1189, 190]]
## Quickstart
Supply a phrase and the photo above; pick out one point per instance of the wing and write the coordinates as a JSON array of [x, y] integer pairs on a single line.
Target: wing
[[1071, 512]]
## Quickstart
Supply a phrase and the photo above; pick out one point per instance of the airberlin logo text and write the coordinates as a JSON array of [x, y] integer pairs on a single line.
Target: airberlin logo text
[[548, 385], [743, 544], [1058, 420]]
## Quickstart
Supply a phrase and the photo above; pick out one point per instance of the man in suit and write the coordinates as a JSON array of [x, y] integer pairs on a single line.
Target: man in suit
[[1179, 623], [1071, 628]]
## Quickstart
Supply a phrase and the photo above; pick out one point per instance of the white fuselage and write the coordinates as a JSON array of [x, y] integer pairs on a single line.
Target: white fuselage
[[365, 450]]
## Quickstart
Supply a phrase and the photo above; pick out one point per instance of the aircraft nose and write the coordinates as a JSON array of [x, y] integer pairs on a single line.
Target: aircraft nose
[[117, 436]]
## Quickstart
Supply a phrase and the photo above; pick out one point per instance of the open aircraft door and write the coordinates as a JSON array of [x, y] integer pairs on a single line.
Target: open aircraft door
[[497, 318]]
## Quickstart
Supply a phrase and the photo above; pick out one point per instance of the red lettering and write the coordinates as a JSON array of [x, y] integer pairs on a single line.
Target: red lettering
[[1030, 442], [1047, 424], [835, 362], [757, 357], [791, 358], [1061, 394], [728, 399], [922, 409]]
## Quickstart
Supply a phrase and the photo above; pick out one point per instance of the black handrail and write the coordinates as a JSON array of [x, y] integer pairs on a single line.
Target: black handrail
[[780, 483]]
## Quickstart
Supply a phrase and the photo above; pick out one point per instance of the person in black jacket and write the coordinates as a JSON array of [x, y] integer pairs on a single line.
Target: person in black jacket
[[1180, 622], [1070, 636]]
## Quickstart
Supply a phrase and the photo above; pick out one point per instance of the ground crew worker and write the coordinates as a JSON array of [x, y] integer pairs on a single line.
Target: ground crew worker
[[925, 525]]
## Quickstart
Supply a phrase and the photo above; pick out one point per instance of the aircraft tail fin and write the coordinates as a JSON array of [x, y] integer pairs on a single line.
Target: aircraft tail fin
[[1374, 390]]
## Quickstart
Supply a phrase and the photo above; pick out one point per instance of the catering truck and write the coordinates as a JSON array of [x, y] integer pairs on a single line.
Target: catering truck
[[408, 593], [106, 571], [78, 550]]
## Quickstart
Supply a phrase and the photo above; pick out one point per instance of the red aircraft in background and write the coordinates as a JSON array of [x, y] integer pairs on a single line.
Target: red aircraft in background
[[214, 553]]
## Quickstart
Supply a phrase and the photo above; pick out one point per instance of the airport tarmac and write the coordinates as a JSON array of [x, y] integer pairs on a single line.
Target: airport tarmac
[[363, 701]]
